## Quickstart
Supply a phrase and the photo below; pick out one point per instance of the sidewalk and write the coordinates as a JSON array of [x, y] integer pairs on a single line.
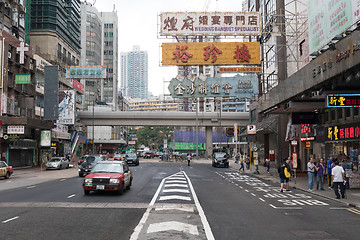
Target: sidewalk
[[301, 183]]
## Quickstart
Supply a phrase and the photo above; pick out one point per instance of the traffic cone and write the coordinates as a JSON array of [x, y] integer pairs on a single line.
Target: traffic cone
[[41, 167]]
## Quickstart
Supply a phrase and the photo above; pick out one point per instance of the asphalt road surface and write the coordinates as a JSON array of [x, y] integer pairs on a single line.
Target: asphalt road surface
[[173, 201]]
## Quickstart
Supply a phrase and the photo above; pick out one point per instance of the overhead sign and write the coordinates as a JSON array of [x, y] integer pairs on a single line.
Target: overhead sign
[[210, 23], [326, 19], [238, 86], [22, 78], [211, 53], [343, 100], [240, 69], [251, 129], [131, 142], [77, 85], [15, 129], [66, 107], [343, 132], [86, 72]]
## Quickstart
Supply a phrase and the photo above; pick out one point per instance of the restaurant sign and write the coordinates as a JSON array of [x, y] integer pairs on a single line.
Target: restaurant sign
[[210, 23], [211, 53], [238, 86], [343, 100], [339, 132], [86, 72]]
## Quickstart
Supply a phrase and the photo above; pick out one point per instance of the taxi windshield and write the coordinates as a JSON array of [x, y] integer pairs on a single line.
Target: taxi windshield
[[108, 168]]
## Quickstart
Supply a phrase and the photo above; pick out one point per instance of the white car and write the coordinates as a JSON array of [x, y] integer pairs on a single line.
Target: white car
[[57, 163]]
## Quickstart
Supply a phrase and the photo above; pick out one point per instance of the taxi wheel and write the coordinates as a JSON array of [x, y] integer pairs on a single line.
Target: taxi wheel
[[129, 186], [7, 176], [86, 192], [122, 189]]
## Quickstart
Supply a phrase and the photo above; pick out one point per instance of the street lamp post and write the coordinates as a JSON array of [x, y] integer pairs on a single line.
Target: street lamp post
[[93, 126]]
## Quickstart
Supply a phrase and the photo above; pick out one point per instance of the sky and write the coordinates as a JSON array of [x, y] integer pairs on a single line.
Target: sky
[[138, 25]]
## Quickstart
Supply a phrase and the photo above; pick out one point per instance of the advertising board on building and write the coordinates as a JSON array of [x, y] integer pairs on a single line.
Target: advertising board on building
[[211, 53], [251, 129], [326, 19], [342, 132], [45, 138], [86, 72], [77, 85], [210, 23], [22, 78], [343, 100], [239, 86], [240, 69], [15, 129], [67, 107]]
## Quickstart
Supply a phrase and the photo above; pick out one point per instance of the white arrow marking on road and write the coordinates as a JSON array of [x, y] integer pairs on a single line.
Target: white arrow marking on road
[[174, 197], [71, 196], [11, 219], [176, 190], [29, 187], [176, 185], [175, 181], [182, 208], [173, 225]]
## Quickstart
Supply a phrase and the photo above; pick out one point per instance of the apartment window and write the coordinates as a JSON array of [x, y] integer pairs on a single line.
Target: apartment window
[[108, 34], [108, 43], [108, 25]]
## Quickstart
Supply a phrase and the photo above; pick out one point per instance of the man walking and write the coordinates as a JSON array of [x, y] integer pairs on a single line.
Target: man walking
[[188, 157], [311, 173], [337, 180]]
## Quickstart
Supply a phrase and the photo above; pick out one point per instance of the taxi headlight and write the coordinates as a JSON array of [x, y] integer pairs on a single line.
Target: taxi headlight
[[114, 180], [88, 180]]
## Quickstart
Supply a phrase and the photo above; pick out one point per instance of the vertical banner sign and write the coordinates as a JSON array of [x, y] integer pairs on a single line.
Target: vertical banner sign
[[45, 138], [235, 132], [51, 101], [294, 160], [67, 107], [1, 63]]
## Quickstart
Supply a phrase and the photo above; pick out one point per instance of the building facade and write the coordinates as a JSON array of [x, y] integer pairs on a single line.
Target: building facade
[[134, 73]]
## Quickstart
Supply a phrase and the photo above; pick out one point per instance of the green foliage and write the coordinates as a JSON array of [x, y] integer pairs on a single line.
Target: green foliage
[[152, 136]]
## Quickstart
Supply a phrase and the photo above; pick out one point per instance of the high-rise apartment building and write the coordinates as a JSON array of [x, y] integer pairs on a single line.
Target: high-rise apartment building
[[134, 73], [110, 26]]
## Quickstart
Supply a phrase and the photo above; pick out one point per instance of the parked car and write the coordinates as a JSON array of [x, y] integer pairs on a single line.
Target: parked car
[[220, 159], [82, 159], [108, 176], [131, 158], [89, 163], [5, 170], [119, 157], [149, 155], [57, 163]]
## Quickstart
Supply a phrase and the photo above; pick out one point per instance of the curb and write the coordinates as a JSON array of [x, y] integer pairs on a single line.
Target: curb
[[272, 179]]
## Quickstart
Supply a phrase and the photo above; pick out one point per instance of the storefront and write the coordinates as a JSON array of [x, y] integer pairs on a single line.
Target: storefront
[[21, 152], [343, 143]]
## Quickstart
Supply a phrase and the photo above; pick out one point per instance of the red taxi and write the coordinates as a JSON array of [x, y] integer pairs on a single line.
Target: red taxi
[[108, 176], [5, 170]]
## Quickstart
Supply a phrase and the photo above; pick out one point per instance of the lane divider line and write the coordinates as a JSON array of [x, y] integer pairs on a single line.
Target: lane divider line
[[11, 219], [253, 194], [71, 196], [262, 200], [30, 187]]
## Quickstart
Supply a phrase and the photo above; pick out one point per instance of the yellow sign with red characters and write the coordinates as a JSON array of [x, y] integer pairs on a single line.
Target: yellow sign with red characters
[[211, 53]]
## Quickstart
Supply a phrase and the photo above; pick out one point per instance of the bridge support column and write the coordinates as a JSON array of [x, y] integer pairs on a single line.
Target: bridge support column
[[209, 142]]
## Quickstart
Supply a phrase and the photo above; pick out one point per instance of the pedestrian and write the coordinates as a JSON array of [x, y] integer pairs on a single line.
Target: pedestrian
[[188, 157], [330, 165], [237, 157], [247, 161], [311, 173], [242, 164], [320, 168], [284, 174], [338, 180], [267, 165]]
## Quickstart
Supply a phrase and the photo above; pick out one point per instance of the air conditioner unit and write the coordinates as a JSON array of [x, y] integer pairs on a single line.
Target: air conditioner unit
[[9, 54], [31, 66]]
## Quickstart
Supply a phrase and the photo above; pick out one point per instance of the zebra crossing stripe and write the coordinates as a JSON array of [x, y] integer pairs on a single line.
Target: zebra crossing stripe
[[173, 225], [176, 181], [176, 185], [176, 190], [174, 197]]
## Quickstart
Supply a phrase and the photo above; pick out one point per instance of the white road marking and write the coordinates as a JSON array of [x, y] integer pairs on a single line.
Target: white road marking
[[176, 181], [73, 195], [29, 187], [246, 190], [176, 190], [176, 185], [208, 232], [173, 225], [253, 194], [183, 208], [174, 197], [11, 219], [262, 199], [338, 208], [272, 206], [177, 178], [61, 180]]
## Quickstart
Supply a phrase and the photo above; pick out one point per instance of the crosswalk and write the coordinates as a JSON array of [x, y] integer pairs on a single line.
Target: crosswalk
[[174, 213]]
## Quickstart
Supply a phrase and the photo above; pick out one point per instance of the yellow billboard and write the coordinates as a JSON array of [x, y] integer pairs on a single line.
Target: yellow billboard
[[211, 53]]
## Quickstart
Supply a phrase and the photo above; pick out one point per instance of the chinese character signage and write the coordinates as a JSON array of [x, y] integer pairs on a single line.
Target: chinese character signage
[[86, 72], [326, 19], [210, 23], [78, 85], [343, 132], [343, 100], [238, 86], [211, 53], [66, 107], [15, 129], [22, 79], [240, 69]]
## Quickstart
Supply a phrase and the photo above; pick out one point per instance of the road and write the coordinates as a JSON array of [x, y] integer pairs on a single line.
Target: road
[[172, 201]]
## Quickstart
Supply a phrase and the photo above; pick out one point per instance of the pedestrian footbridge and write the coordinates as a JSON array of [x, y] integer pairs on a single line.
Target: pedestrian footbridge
[[183, 119]]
